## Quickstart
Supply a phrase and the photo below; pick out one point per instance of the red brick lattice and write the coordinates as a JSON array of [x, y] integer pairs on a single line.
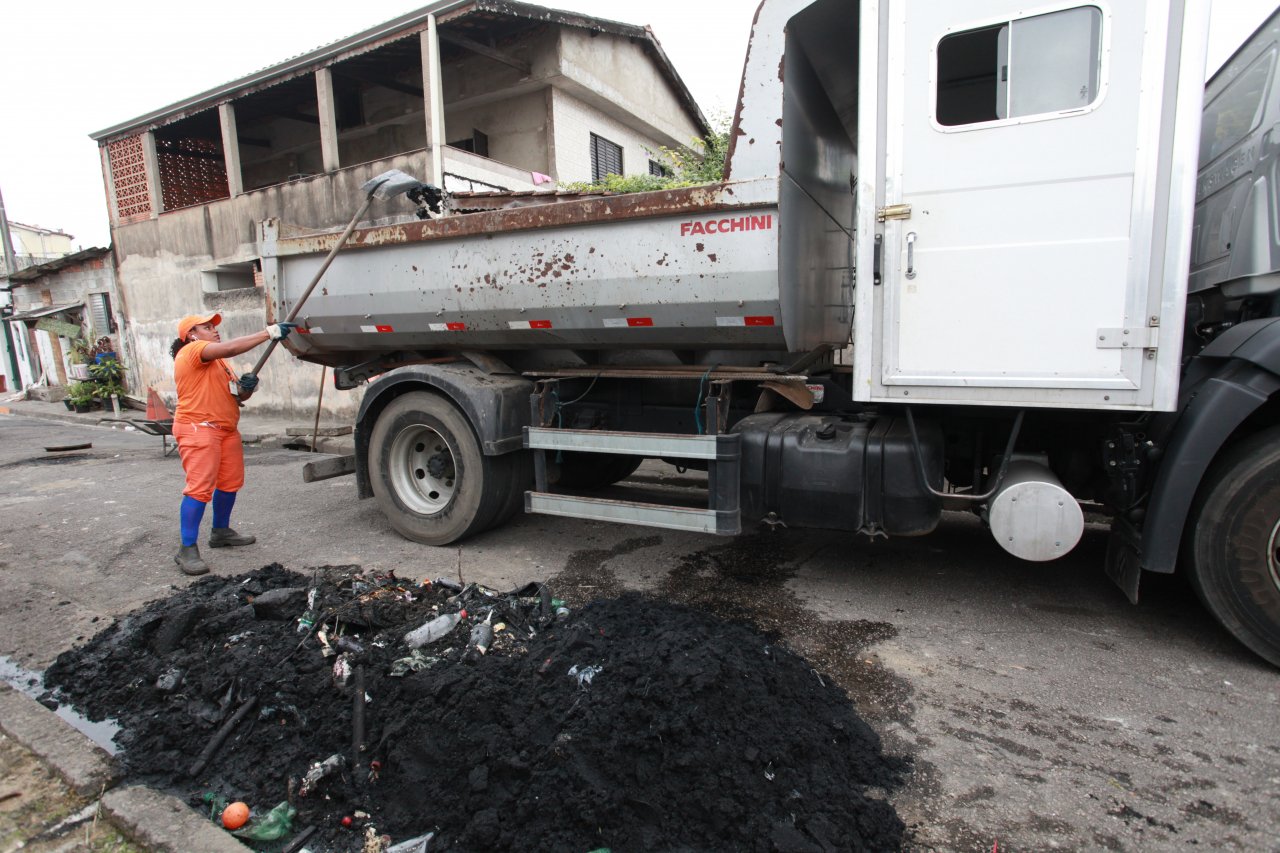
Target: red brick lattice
[[192, 171], [129, 177]]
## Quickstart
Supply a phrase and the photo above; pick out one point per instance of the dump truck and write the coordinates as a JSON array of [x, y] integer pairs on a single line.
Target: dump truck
[[966, 256]]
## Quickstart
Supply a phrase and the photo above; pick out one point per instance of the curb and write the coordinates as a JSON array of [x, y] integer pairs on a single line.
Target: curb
[[160, 821], [82, 764], [165, 823]]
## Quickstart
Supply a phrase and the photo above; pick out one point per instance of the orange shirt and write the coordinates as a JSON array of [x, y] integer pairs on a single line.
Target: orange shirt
[[204, 394]]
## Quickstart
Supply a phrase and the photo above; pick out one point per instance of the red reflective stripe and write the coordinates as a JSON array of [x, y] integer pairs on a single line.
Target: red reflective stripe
[[639, 321], [539, 324], [758, 321], [384, 328], [300, 330], [456, 327]]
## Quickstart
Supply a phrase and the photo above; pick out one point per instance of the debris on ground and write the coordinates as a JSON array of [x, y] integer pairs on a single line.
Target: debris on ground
[[323, 702]]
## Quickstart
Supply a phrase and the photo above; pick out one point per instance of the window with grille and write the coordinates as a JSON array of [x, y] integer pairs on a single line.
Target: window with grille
[[129, 178], [659, 170], [606, 158]]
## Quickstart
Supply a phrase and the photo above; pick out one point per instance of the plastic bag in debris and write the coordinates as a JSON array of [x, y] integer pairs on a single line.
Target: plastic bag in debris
[[272, 826], [216, 803], [413, 845], [319, 771], [584, 674], [415, 662], [342, 671]]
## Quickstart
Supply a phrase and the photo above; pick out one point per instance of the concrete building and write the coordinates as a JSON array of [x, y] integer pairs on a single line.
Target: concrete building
[[474, 96], [34, 245], [26, 246], [54, 304]]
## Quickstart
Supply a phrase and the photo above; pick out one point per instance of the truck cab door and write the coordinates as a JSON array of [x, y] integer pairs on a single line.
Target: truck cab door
[[1037, 170]]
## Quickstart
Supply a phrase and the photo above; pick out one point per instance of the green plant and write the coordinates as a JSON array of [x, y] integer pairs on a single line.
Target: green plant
[[107, 377], [82, 393], [107, 371], [701, 162], [80, 351]]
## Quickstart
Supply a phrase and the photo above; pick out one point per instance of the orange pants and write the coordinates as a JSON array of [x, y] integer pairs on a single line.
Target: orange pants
[[212, 457]]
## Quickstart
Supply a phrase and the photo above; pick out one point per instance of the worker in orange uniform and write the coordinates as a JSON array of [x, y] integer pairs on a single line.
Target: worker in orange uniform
[[205, 427]]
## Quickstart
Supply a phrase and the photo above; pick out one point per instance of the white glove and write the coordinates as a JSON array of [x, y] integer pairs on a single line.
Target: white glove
[[280, 331]]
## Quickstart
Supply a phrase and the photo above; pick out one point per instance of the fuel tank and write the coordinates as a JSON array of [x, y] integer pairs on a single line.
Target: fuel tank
[[841, 473]]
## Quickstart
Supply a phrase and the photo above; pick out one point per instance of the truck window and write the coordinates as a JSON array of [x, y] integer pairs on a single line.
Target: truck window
[[1236, 111], [1039, 65]]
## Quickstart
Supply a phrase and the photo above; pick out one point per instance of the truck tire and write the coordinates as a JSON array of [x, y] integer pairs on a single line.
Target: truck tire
[[592, 470], [428, 473], [1235, 544], [521, 462]]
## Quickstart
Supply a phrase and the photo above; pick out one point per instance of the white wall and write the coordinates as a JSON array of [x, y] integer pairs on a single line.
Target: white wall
[[617, 76], [574, 121]]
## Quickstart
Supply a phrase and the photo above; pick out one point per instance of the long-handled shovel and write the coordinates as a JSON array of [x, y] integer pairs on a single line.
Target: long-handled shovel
[[386, 186]]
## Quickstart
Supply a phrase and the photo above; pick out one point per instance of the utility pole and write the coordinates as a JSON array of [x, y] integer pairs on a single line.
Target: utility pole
[[6, 301]]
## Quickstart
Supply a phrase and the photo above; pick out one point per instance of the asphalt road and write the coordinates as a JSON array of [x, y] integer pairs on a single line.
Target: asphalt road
[[1037, 707]]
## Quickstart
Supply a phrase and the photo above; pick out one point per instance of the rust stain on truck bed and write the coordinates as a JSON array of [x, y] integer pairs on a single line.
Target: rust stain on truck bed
[[711, 197]]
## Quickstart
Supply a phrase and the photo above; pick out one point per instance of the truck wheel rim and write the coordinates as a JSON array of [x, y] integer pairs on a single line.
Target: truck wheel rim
[[1273, 554], [422, 470]]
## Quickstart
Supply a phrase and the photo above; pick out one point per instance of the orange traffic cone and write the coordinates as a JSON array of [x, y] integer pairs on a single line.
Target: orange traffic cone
[[156, 409]]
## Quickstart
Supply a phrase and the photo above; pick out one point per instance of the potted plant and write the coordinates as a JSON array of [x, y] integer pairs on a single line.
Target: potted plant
[[79, 357], [81, 395], [107, 377], [102, 350]]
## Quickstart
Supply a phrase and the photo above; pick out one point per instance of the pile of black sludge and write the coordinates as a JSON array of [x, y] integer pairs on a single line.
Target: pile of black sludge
[[630, 724]]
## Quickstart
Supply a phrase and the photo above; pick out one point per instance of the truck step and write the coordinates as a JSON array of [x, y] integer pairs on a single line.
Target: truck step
[[651, 444], [722, 452], [722, 522]]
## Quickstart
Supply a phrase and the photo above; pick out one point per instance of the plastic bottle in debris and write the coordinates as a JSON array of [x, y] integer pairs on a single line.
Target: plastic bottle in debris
[[311, 614], [272, 826], [433, 630], [481, 639]]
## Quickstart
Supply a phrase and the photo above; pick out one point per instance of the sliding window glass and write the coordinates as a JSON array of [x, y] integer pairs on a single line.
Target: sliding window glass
[[1048, 64]]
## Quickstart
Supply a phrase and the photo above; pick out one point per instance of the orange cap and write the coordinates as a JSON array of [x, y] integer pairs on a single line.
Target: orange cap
[[186, 324]]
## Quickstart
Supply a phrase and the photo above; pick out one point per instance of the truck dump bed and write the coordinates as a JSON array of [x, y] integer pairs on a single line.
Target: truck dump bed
[[692, 268]]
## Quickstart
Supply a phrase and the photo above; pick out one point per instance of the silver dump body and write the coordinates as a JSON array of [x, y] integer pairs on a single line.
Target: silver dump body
[[759, 264], [693, 268]]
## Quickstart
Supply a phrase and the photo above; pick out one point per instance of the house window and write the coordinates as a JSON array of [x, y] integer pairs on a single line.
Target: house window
[[100, 311], [659, 170], [606, 158], [1043, 64], [477, 144]]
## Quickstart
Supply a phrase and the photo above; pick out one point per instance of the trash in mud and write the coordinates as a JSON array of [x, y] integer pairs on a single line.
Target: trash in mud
[[626, 723]]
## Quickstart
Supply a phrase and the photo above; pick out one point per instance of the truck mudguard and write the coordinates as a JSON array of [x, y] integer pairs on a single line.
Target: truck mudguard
[[1238, 372], [496, 405], [1254, 341]]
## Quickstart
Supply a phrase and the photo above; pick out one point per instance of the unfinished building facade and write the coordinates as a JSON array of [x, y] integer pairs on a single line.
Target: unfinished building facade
[[476, 97]]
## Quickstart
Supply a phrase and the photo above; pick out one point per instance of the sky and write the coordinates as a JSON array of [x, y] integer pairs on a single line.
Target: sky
[[72, 67]]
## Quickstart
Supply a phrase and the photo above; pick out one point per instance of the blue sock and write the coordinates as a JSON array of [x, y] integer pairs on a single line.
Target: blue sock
[[191, 513], [222, 504]]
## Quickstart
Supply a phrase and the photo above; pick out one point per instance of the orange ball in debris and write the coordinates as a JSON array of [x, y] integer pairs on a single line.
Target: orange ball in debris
[[235, 815]]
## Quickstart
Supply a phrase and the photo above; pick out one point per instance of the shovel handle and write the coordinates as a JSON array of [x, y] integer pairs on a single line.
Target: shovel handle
[[342, 240]]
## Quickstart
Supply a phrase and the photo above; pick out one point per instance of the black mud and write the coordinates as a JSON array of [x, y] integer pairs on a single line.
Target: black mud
[[694, 734]]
